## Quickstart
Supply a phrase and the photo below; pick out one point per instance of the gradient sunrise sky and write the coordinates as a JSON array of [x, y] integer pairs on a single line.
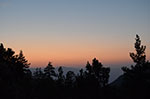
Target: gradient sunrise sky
[[71, 32]]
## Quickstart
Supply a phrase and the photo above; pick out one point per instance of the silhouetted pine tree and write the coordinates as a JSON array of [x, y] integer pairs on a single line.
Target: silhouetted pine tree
[[22, 65], [49, 71], [70, 79], [98, 72], [15, 75], [137, 78], [89, 68], [139, 58], [61, 77], [13, 66], [38, 74]]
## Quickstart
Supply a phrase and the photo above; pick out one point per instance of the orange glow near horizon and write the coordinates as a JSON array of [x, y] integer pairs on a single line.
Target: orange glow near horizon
[[74, 54], [74, 57]]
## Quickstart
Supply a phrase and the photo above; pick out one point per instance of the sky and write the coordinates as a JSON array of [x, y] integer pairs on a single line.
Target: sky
[[72, 32]]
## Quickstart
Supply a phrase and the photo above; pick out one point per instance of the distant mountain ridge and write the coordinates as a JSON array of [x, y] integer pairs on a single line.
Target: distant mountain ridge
[[65, 69], [114, 73]]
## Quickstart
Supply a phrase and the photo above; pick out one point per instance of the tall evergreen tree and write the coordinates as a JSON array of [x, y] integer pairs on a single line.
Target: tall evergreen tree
[[101, 73], [70, 79], [49, 71], [89, 68], [139, 57], [13, 66], [137, 78], [97, 71], [38, 74], [60, 75], [22, 64]]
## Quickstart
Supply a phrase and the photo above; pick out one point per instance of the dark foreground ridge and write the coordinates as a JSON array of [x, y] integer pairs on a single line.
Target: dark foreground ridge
[[18, 82]]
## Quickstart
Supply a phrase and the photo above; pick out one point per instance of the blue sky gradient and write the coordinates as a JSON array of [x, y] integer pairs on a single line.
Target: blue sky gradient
[[82, 29]]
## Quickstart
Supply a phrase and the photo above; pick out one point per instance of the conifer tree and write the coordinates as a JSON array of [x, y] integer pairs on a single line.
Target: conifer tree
[[61, 77], [49, 71], [139, 57]]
